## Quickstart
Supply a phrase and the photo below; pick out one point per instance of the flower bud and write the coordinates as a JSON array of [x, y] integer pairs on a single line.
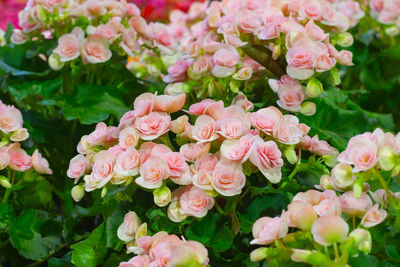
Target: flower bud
[[301, 215], [178, 126], [300, 255], [314, 88], [162, 196], [358, 188], [331, 159], [55, 63], [234, 86], [335, 77], [325, 182], [169, 60], [392, 31], [141, 231], [290, 154], [4, 182], [329, 229], [153, 70], [258, 254], [174, 213], [78, 192], [308, 108], [342, 176], [386, 158], [176, 89], [344, 39], [19, 135], [396, 170], [276, 51], [363, 240], [104, 192]]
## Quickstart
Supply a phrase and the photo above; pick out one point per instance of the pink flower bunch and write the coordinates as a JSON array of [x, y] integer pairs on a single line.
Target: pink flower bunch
[[386, 12], [211, 156], [160, 249], [11, 153], [322, 214]]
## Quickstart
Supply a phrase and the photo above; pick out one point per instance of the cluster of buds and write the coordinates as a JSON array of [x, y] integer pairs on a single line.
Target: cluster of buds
[[324, 218], [208, 48], [386, 12], [85, 29], [12, 156], [214, 154], [160, 249]]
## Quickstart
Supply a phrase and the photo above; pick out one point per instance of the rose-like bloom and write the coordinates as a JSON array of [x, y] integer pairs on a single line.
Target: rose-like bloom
[[195, 202], [266, 230], [137, 261], [204, 167], [290, 98], [355, 206], [127, 230], [178, 126], [286, 130], [128, 163], [103, 169], [342, 176], [268, 158], [225, 61], [153, 125], [108, 31], [98, 136], [374, 216], [78, 166], [264, 119], [228, 178], [190, 253], [234, 126], [179, 169], [153, 172], [95, 49], [192, 152], [4, 159], [18, 37], [324, 63], [169, 103], [315, 31], [300, 61], [311, 9], [178, 71], [19, 135], [320, 147], [40, 164], [329, 205], [50, 4], [201, 65], [301, 215], [329, 229], [68, 47], [310, 196], [201, 107], [247, 21], [204, 129], [238, 149], [129, 43], [242, 101], [345, 58], [10, 119], [19, 159], [128, 137]]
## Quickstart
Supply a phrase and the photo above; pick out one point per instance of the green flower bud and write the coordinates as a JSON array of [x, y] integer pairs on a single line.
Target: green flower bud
[[290, 155], [344, 39], [104, 192], [335, 77], [300, 255], [78, 192], [386, 158], [234, 86], [162, 196], [314, 88], [392, 31], [258, 254], [55, 63], [4, 182], [363, 240], [308, 108]]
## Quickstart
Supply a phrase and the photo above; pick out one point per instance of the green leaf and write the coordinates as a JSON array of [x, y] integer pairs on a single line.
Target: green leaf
[[27, 234], [37, 194], [392, 252], [44, 89], [89, 252], [112, 224], [5, 212]]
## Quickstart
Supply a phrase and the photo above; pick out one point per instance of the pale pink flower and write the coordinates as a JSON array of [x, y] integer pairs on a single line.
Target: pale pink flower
[[18, 37], [95, 49], [10, 119], [128, 137], [373, 216], [320, 147], [153, 172], [68, 47], [4, 159], [192, 152], [153, 125], [324, 62], [286, 130], [345, 58], [78, 166], [169, 103], [290, 98], [247, 21], [355, 206], [178, 71], [127, 230], [137, 261], [311, 9], [228, 178], [234, 126], [128, 163], [19, 159], [266, 230], [195, 202], [40, 164], [238, 149], [179, 169], [329, 229], [264, 119], [204, 166], [301, 214], [103, 169], [315, 31], [98, 136]]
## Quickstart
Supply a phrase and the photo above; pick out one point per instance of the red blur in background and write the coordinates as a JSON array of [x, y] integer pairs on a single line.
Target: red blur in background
[[151, 9]]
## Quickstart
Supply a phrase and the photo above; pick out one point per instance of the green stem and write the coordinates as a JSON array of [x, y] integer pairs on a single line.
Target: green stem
[[335, 248], [8, 190], [219, 209], [390, 198], [165, 140]]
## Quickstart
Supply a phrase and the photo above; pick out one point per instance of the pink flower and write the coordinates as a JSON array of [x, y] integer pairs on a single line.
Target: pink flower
[[98, 136], [50, 4], [225, 60], [228, 178], [40, 164], [242, 101], [108, 31], [19, 159], [18, 37], [311, 9], [179, 169], [153, 172], [128, 137], [286, 130], [202, 107], [234, 126], [103, 169], [78, 166], [355, 206], [153, 125], [315, 31], [95, 8], [204, 129], [169, 103], [68, 47], [329, 229], [324, 63], [128, 162], [301, 214], [345, 58], [268, 158], [10, 119], [264, 119], [4, 158], [320, 147], [178, 71], [137, 261], [95, 49], [374, 216], [201, 65], [195, 202], [127, 230], [247, 21], [192, 152], [238, 149], [129, 43], [204, 167], [300, 59], [290, 98], [266, 230]]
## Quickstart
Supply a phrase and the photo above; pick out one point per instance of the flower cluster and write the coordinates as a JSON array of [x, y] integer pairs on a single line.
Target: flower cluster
[[160, 249], [386, 12], [215, 152], [321, 214], [209, 47], [11, 153], [106, 27]]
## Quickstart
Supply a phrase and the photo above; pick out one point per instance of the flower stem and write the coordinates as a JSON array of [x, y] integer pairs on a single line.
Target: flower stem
[[335, 248]]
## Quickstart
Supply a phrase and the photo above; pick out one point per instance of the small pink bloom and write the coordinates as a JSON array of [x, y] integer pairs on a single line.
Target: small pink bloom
[[127, 230], [95, 49], [264, 119], [95, 8], [311, 9], [345, 58], [242, 101], [128, 162], [179, 169], [290, 98], [98, 136], [169, 103], [286, 130], [238, 149], [178, 71], [137, 261], [129, 43], [355, 206], [128, 137], [266, 230], [374, 216], [153, 172], [204, 166], [300, 59], [10, 119], [315, 31], [19, 159], [324, 63], [153, 125], [228, 178], [103, 169], [202, 65], [301, 214], [204, 129], [195, 202], [68, 47], [192, 152], [233, 127], [78, 166], [108, 31], [329, 229], [40, 164], [247, 21], [320, 147]]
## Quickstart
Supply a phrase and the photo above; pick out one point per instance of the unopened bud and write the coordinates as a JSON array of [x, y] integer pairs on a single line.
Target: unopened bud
[[308, 108], [335, 77], [290, 155], [258, 254], [342, 176], [325, 182], [363, 240], [392, 31], [344, 39], [174, 213], [4, 182], [153, 70], [386, 158], [300, 255], [234, 86], [55, 63], [176, 89], [331, 159], [314, 88], [358, 188], [162, 196], [104, 192], [78, 192], [276, 51]]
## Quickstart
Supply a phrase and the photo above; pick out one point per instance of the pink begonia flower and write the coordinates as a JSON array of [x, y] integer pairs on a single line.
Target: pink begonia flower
[[315, 31], [286, 130], [18, 37], [242, 101], [129, 43], [128, 137], [108, 31], [373, 216], [19, 135], [320, 147], [195, 202], [203, 169], [355, 206], [10, 119], [178, 71], [329, 205], [4, 158], [128, 163], [232, 127], [268, 158], [324, 63], [310, 196], [116, 150], [301, 214], [264, 119], [300, 61], [238, 149], [225, 62], [102, 171], [68, 47], [78, 166], [153, 125], [201, 65], [98, 136], [179, 169], [95, 49], [329, 229], [127, 230], [143, 104], [345, 58], [152, 172], [311, 9], [40, 164], [178, 126], [50, 4], [290, 98], [228, 178], [169, 103], [247, 21], [192, 151], [19, 159], [266, 230], [141, 260]]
